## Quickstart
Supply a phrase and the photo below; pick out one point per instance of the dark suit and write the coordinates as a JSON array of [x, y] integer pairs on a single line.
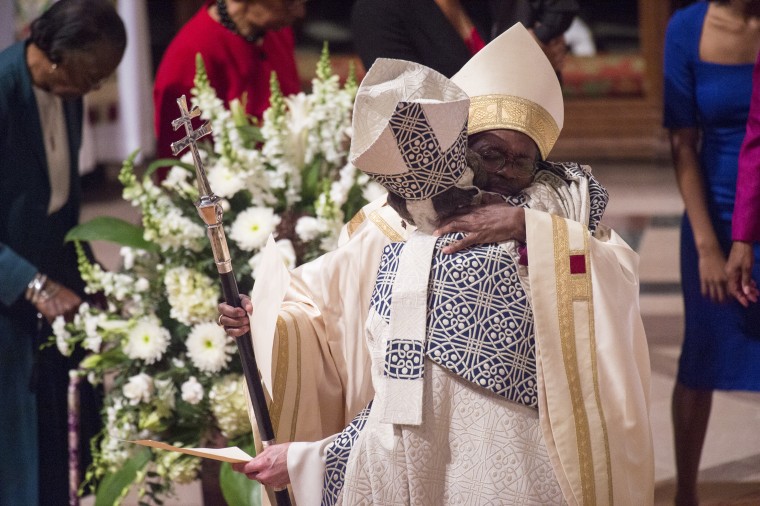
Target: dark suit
[[32, 409], [415, 30], [547, 18], [418, 31]]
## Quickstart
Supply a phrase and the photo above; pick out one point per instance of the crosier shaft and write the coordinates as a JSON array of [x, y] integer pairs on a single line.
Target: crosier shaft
[[210, 211]]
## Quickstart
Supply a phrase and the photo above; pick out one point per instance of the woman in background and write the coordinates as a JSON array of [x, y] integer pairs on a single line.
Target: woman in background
[[72, 47], [710, 49], [242, 43], [444, 34]]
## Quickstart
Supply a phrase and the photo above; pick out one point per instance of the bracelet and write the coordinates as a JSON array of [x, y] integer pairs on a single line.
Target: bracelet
[[36, 290]]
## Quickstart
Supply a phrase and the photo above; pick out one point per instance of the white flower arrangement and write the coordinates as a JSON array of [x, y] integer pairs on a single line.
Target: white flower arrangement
[[171, 373], [209, 348], [192, 391], [146, 340]]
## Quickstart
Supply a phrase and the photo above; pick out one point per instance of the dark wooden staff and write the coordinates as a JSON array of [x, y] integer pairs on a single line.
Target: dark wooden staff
[[211, 213]]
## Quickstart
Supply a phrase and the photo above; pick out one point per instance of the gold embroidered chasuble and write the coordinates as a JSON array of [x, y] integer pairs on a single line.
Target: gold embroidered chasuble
[[592, 361]]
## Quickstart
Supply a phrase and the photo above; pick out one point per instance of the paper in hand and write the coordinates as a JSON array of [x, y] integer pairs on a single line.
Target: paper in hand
[[272, 281], [232, 454]]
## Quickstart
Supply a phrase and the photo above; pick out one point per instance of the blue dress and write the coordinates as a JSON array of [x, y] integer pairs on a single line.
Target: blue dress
[[721, 348]]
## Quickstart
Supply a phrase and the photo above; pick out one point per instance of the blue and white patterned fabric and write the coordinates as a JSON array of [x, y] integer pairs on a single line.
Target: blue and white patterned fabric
[[337, 454], [571, 171], [479, 321], [403, 359], [431, 169]]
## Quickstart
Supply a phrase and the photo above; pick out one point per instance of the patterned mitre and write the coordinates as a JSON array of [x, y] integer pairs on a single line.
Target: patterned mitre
[[513, 86], [410, 129]]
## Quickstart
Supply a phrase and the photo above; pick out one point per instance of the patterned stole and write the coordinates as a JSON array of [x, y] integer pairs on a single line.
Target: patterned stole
[[467, 312], [404, 354], [480, 321]]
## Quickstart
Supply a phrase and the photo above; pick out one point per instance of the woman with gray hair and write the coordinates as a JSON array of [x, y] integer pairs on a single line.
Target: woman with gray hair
[[72, 47]]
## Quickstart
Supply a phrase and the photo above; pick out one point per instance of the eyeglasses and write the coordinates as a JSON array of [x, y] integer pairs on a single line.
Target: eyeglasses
[[495, 161]]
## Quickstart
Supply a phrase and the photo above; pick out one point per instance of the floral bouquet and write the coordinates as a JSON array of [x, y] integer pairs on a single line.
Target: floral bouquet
[[170, 372]]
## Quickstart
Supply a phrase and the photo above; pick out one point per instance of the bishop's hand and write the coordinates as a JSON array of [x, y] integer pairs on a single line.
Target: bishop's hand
[[269, 468], [235, 319], [491, 223]]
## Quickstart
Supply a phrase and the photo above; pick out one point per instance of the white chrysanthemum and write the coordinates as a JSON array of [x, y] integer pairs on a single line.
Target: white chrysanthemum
[[139, 389], [147, 340], [253, 226], [192, 391], [192, 295], [229, 406], [62, 336], [209, 347], [308, 228], [225, 181]]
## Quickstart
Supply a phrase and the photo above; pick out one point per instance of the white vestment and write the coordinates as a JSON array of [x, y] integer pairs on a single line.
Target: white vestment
[[591, 440]]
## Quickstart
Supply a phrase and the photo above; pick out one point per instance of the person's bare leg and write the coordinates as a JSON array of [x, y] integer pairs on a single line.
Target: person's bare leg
[[691, 412]]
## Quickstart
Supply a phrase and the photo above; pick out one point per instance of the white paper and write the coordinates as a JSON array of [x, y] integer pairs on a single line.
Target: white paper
[[272, 281], [232, 454]]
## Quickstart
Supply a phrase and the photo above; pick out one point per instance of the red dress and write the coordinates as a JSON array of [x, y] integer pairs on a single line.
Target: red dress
[[235, 67]]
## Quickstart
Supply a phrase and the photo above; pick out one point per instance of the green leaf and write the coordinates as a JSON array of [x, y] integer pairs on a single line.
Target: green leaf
[[108, 228], [167, 162], [112, 487], [104, 361], [237, 489]]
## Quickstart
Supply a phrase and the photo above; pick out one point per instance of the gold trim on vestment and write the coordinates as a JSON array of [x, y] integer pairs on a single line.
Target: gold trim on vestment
[[297, 401], [387, 229], [566, 292], [281, 374], [491, 112], [595, 370], [355, 222], [281, 382]]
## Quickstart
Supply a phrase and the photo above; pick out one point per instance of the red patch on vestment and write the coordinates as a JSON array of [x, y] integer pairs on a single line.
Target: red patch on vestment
[[577, 264]]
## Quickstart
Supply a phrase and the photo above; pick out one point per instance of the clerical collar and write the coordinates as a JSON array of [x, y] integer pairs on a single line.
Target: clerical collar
[[226, 21]]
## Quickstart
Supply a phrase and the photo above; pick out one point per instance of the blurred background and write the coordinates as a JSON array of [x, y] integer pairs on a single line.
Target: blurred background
[[612, 82], [612, 79]]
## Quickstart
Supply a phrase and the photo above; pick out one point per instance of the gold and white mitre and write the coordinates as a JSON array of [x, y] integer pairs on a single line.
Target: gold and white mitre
[[512, 85], [410, 129]]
